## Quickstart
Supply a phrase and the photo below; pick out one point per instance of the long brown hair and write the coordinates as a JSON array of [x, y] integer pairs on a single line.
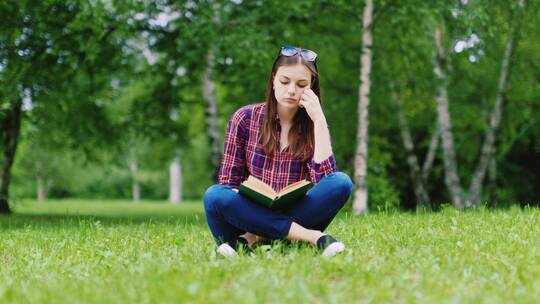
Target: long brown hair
[[301, 136]]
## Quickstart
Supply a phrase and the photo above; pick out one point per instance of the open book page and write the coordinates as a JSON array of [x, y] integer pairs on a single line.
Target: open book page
[[260, 186], [293, 186]]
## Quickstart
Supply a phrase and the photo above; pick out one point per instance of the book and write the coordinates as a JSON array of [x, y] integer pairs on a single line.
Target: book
[[258, 191]]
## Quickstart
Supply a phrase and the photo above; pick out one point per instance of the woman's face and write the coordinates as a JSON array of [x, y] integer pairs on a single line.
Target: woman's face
[[289, 83]]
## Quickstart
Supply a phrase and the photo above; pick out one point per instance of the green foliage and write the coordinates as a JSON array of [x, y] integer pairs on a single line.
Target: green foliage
[[111, 82], [383, 196], [197, 172]]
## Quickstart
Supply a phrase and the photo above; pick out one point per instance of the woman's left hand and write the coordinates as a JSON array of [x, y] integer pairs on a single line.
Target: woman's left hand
[[310, 102]]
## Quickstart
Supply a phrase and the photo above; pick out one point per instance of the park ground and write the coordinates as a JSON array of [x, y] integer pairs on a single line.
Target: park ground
[[76, 251]]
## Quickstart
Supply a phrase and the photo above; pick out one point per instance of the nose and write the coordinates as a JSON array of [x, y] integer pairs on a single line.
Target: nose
[[291, 89]]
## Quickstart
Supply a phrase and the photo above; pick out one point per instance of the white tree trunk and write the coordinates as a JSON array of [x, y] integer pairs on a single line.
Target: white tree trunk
[[209, 96], [175, 181], [420, 192], [135, 187], [40, 182], [430, 157], [360, 204], [41, 192], [475, 190], [451, 177], [492, 181]]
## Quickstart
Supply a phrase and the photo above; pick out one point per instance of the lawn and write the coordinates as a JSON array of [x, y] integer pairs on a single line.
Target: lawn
[[120, 252]]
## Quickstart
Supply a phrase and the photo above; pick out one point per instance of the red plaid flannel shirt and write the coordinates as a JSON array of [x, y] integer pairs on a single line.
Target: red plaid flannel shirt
[[244, 155]]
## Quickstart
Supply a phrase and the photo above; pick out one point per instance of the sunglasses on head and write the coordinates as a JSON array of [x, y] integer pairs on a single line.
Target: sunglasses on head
[[289, 51]]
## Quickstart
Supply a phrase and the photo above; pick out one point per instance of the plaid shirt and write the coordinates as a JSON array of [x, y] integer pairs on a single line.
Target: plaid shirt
[[244, 155]]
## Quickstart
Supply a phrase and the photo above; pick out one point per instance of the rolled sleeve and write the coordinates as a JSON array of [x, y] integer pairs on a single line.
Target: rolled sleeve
[[233, 165], [319, 170]]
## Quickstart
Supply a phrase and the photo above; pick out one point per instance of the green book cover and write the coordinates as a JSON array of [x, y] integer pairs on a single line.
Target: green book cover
[[259, 192]]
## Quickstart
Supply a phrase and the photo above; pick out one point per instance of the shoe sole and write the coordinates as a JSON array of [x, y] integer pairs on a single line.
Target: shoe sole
[[227, 251], [333, 249]]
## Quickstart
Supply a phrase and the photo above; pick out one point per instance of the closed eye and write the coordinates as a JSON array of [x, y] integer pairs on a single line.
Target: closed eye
[[300, 85]]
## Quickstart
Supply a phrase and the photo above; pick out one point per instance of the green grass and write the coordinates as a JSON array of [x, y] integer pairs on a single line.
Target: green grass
[[120, 252]]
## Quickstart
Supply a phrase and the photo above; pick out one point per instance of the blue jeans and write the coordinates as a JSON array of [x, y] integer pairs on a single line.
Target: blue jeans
[[230, 214]]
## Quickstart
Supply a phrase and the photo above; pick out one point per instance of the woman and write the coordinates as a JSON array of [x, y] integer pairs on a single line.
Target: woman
[[279, 142]]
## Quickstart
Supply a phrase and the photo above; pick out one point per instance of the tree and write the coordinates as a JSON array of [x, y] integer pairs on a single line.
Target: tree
[[360, 163], [450, 168], [418, 176], [47, 46], [209, 96], [475, 189], [459, 199], [175, 180]]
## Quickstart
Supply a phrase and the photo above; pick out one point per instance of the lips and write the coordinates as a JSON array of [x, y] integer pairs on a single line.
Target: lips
[[290, 100]]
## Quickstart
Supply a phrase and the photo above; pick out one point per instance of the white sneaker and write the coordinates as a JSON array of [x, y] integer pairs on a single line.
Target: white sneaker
[[329, 245], [227, 251], [333, 249]]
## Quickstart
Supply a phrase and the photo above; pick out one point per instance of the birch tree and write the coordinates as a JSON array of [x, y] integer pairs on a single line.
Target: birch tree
[[135, 187], [209, 96], [451, 177], [475, 189], [430, 156], [459, 199], [175, 181], [360, 204], [418, 177], [210, 103]]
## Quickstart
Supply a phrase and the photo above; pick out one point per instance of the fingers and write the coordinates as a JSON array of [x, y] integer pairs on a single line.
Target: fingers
[[310, 92], [308, 99]]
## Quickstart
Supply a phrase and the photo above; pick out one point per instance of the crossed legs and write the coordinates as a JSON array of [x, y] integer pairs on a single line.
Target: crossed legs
[[230, 214]]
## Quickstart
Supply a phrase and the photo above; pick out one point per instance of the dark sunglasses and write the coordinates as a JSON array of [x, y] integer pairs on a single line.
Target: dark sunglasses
[[289, 51]]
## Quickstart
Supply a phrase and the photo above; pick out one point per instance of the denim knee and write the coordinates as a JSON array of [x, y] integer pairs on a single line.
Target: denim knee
[[216, 197], [342, 183], [211, 197]]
